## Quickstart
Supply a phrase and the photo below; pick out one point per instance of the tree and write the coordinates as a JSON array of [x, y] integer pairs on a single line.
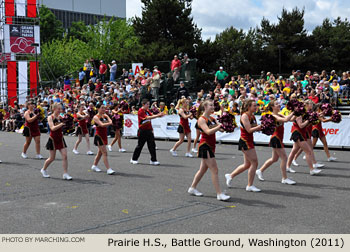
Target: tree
[[332, 44], [50, 27], [289, 34], [168, 22], [78, 30]]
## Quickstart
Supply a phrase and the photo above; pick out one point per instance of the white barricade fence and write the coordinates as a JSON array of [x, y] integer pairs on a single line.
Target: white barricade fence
[[337, 134]]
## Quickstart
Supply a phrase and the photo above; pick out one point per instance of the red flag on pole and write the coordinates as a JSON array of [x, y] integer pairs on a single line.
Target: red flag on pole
[[31, 8], [34, 68], [11, 82]]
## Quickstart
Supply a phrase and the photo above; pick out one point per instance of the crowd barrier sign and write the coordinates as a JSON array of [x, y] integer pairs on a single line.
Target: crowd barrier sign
[[337, 134]]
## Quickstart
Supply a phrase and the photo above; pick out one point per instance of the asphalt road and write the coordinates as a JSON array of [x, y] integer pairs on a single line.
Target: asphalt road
[[148, 199]]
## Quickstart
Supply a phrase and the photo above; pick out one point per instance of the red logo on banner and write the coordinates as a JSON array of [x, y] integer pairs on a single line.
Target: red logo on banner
[[21, 38], [331, 131], [128, 123]]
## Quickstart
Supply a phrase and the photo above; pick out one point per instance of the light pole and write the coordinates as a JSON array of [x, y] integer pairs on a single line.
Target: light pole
[[279, 58], [36, 45]]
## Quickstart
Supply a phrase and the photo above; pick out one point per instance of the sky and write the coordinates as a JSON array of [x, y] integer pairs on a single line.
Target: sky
[[213, 16]]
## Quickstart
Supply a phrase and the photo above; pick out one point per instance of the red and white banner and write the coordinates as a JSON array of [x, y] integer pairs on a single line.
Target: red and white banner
[[337, 134], [17, 81], [136, 68], [22, 8], [19, 38], [31, 8], [9, 10]]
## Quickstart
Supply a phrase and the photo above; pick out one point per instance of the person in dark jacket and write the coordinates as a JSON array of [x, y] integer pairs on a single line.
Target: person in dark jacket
[[182, 91]]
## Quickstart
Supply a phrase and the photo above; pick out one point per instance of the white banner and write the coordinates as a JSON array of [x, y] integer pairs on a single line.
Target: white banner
[[136, 68], [337, 134], [22, 81], [21, 8]]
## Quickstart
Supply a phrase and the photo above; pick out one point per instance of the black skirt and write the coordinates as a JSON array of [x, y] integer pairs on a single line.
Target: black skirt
[[79, 131], [26, 131], [276, 143], [297, 136], [203, 151], [51, 146], [98, 141], [180, 129], [315, 133]]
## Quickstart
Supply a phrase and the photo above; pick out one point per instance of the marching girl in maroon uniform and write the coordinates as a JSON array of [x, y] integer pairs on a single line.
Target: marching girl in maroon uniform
[[118, 128], [56, 142], [82, 130], [206, 150], [276, 142], [300, 136], [308, 132], [317, 133], [246, 144], [31, 130], [102, 121], [91, 111], [184, 128]]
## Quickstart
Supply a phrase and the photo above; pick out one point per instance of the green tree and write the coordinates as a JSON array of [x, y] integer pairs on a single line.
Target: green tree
[[167, 22], [290, 34], [78, 30], [50, 27], [332, 44]]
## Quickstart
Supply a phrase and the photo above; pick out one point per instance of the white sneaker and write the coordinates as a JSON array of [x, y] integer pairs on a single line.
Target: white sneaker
[[95, 168], [75, 152], [194, 191], [318, 165], [222, 197], [156, 148], [109, 148], [304, 157], [23, 155], [44, 173], [294, 163], [194, 150], [252, 189], [134, 162], [331, 159], [67, 177], [154, 163], [228, 180], [290, 170], [89, 153], [0, 161], [315, 171], [110, 171], [174, 153], [189, 155], [122, 150], [39, 157], [259, 174], [288, 181]]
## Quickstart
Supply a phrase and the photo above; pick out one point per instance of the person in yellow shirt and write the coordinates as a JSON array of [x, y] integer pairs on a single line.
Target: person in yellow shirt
[[163, 108]]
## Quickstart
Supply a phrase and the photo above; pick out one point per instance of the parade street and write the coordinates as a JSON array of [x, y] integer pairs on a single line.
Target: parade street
[[154, 199]]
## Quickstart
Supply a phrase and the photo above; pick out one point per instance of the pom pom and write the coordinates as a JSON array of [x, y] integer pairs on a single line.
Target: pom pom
[[228, 122], [297, 107], [336, 117], [216, 106], [312, 117], [124, 105], [268, 124], [327, 109], [193, 111], [155, 111]]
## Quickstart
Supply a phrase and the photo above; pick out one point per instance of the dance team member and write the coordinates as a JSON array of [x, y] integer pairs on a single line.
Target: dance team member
[[276, 142], [299, 137], [56, 142], [307, 133], [117, 138], [317, 133], [246, 145], [145, 133], [82, 130], [184, 127], [206, 151], [31, 130], [102, 121]]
